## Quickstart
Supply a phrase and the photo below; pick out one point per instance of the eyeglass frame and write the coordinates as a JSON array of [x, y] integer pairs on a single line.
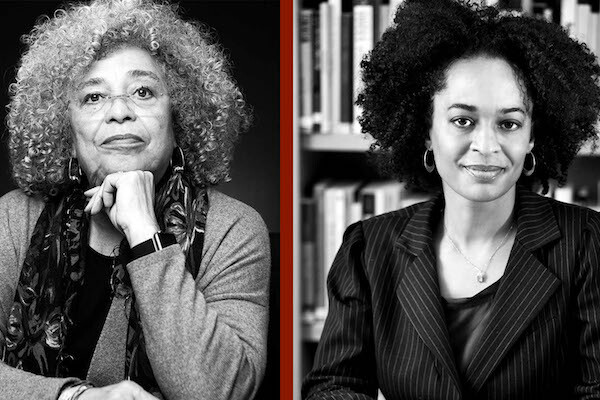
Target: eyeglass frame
[[111, 98]]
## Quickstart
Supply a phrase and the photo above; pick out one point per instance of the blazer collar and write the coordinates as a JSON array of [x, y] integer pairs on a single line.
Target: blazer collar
[[536, 224], [525, 287]]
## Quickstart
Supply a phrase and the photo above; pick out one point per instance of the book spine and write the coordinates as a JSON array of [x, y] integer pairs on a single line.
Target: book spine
[[326, 68], [394, 4], [335, 13], [320, 283], [384, 19], [316, 80], [568, 15], [368, 205], [363, 43], [308, 253], [306, 69], [582, 22], [346, 87]]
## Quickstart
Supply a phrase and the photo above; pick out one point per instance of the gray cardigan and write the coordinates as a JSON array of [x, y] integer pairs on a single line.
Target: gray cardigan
[[206, 339]]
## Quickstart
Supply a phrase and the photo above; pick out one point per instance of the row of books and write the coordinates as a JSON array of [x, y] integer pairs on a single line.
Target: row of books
[[582, 19], [335, 35], [335, 205]]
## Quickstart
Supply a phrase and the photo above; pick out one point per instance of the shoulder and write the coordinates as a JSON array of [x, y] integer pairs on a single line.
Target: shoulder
[[232, 226], [391, 223], [572, 217], [225, 212], [19, 212], [17, 200]]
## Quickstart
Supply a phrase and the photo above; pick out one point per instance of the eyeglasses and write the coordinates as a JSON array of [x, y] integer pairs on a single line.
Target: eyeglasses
[[94, 102]]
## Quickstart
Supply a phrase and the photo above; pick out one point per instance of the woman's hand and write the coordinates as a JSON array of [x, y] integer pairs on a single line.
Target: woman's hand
[[125, 390], [128, 200]]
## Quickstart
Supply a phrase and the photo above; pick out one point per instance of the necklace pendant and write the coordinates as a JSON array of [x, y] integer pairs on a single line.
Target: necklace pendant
[[481, 276]]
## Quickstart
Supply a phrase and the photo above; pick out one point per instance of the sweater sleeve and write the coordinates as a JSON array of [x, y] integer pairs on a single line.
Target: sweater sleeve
[[206, 339], [18, 215]]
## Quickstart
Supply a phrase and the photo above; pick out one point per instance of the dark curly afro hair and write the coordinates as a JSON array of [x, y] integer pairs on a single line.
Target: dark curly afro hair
[[407, 67]]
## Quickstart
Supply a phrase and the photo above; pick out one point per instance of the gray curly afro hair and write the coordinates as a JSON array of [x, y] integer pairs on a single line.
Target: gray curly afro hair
[[209, 111]]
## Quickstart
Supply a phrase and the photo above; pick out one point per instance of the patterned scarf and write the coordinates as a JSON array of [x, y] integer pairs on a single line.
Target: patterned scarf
[[54, 270]]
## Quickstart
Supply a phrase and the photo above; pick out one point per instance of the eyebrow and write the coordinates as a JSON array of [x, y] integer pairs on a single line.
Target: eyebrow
[[473, 108], [463, 107], [134, 73]]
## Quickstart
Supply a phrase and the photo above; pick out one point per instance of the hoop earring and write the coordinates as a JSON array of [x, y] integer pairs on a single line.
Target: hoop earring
[[428, 167], [74, 170], [529, 172], [177, 160]]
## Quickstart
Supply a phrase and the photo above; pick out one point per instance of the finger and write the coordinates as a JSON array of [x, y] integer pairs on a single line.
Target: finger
[[109, 189], [90, 192], [97, 203]]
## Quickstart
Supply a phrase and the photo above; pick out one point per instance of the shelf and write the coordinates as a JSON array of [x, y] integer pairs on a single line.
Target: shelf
[[357, 143]]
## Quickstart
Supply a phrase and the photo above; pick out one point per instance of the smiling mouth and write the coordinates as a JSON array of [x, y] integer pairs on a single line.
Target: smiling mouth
[[123, 139], [484, 172]]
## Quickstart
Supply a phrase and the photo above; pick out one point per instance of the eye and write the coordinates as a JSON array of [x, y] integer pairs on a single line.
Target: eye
[[510, 125], [143, 93], [92, 98], [462, 122]]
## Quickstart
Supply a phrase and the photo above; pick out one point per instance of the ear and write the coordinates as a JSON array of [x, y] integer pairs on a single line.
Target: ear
[[530, 145], [428, 144]]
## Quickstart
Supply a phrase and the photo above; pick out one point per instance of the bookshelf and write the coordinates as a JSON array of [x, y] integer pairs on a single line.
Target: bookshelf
[[335, 142], [339, 153]]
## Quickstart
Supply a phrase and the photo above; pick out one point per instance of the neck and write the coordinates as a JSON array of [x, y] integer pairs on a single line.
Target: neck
[[103, 236], [470, 222]]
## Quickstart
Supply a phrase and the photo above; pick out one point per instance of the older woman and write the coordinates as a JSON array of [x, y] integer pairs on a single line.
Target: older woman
[[124, 274], [488, 291]]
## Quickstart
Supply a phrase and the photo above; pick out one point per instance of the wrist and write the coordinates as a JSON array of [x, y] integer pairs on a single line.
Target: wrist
[[73, 392], [141, 234], [157, 242]]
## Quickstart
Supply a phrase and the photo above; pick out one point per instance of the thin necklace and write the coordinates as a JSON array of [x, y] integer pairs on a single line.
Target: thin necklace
[[482, 274]]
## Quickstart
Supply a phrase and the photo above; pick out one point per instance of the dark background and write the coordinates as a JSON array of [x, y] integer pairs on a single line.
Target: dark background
[[249, 31]]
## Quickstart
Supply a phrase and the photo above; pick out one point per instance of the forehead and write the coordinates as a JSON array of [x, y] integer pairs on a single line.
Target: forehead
[[126, 62], [484, 82]]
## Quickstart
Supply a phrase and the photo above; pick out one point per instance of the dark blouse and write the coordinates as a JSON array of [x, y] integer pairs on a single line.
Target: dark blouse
[[90, 312], [466, 319]]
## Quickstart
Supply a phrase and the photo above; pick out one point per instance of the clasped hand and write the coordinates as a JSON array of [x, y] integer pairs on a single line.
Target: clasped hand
[[128, 200]]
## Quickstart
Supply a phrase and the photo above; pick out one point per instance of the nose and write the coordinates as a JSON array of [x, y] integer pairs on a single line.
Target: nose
[[119, 109], [485, 140]]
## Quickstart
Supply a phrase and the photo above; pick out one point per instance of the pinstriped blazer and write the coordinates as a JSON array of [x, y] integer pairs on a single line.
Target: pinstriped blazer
[[386, 325]]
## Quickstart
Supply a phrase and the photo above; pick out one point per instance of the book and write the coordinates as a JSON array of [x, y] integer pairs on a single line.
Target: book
[[594, 28], [384, 19], [316, 79], [319, 279], [308, 254], [338, 197], [335, 23], [363, 26], [394, 4], [568, 15], [380, 197], [346, 106], [582, 22], [326, 68], [306, 68]]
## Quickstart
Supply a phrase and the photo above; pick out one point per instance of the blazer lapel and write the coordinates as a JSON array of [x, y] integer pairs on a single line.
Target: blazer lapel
[[418, 289], [524, 289]]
